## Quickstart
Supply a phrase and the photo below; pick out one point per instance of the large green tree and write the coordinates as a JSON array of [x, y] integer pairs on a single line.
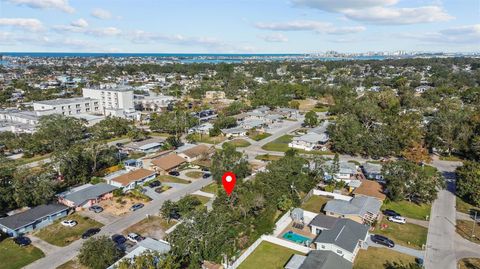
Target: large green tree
[[229, 159], [468, 182], [99, 253]]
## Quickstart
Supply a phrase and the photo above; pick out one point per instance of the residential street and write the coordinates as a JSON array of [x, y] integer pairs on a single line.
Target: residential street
[[62, 255]]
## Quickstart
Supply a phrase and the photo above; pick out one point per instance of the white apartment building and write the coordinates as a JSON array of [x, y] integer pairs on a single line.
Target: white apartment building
[[112, 97], [70, 106]]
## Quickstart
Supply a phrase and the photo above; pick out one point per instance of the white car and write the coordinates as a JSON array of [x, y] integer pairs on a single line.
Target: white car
[[397, 219], [134, 237], [69, 223]]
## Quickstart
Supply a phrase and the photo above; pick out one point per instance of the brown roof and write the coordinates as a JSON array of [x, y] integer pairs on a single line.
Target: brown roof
[[196, 151], [370, 188], [132, 176], [168, 162]]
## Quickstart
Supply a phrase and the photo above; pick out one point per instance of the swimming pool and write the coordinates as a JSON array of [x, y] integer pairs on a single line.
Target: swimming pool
[[294, 237]]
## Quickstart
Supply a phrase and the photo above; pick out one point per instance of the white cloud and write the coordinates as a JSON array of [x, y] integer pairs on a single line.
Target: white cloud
[[62, 5], [101, 14], [339, 5], [28, 24], [381, 15], [82, 23], [99, 32], [316, 26], [107, 31], [466, 34], [274, 38], [379, 11], [140, 36]]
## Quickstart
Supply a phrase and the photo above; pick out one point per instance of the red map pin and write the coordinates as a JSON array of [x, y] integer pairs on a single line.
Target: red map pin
[[228, 181]]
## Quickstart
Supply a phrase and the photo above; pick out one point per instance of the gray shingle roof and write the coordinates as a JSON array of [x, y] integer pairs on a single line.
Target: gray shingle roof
[[322, 259], [345, 234], [22, 219], [370, 168], [92, 192], [323, 221], [356, 206]]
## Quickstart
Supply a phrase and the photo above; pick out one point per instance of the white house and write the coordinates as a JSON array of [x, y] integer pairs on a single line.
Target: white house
[[128, 180]]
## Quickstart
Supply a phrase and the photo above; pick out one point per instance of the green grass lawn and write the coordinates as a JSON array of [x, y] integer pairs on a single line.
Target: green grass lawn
[[258, 137], [465, 207], [12, 256], [267, 157], [408, 234], [315, 203], [208, 139], [194, 174], [150, 225], [465, 227], [469, 263], [279, 144], [211, 188], [268, 256], [72, 264], [37, 158], [202, 199], [59, 235], [239, 143], [376, 258], [172, 179], [409, 209]]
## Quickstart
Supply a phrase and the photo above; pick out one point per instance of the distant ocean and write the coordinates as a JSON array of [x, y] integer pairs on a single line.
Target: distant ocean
[[190, 57]]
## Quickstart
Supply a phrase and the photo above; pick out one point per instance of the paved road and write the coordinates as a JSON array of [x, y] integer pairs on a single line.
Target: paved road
[[399, 248], [62, 255]]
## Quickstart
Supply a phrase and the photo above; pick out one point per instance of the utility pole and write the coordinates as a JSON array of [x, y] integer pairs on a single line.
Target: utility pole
[[474, 223]]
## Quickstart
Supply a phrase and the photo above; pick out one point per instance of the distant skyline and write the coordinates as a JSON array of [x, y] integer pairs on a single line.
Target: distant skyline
[[242, 26]]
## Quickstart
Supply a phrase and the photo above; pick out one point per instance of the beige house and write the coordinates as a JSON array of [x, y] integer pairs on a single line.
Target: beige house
[[196, 153], [165, 164]]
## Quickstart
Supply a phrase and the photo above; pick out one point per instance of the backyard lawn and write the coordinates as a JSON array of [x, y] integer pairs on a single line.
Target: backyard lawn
[[12, 256], [315, 203], [172, 179], [268, 256], [465, 227], [409, 209], [408, 234], [208, 139], [239, 143], [258, 137], [153, 226], [194, 174], [465, 207], [376, 258], [469, 263], [267, 157], [211, 188], [59, 235], [279, 144]]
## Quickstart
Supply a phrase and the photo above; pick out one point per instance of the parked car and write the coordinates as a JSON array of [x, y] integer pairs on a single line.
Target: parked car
[[119, 239], [174, 173], [397, 219], [136, 206], [90, 232], [206, 175], [135, 237], [96, 208], [382, 240], [204, 169], [391, 213], [22, 241], [154, 184], [69, 223]]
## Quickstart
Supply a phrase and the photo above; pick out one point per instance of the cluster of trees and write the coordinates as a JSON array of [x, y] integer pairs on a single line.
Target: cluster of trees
[[99, 253], [468, 182], [274, 94], [238, 220], [172, 122], [173, 210]]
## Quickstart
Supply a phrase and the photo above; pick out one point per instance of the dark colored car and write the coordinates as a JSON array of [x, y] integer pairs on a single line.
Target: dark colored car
[[174, 173], [90, 232], [154, 184], [136, 206], [22, 241], [382, 240], [119, 239], [206, 175], [391, 213], [96, 208], [204, 169]]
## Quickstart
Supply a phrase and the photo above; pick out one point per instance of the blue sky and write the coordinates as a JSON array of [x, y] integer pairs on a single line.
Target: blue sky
[[239, 26]]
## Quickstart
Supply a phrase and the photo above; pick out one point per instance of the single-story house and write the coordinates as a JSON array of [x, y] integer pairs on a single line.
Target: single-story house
[[148, 244], [373, 171], [322, 222], [31, 219], [370, 188], [195, 153], [129, 180], [167, 163], [146, 146], [234, 132], [86, 195], [132, 164], [345, 238], [346, 171], [309, 141], [252, 124], [318, 259], [362, 209], [201, 129], [289, 113]]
